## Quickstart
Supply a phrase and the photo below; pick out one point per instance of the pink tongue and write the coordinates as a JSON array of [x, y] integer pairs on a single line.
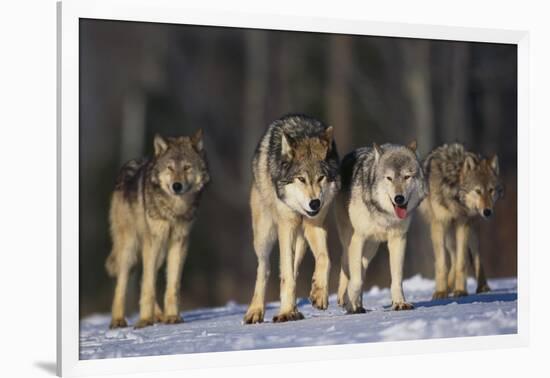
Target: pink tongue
[[400, 212]]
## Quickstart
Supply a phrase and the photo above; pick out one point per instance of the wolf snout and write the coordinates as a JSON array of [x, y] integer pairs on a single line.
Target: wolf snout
[[399, 199], [315, 204], [177, 187]]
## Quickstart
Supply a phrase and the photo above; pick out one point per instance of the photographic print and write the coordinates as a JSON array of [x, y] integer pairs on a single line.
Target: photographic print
[[245, 189]]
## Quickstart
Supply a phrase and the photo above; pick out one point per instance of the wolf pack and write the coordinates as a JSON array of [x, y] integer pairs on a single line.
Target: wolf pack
[[297, 180]]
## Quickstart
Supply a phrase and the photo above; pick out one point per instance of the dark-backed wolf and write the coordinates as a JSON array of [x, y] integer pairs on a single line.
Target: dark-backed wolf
[[463, 186], [381, 187], [153, 207], [295, 177]]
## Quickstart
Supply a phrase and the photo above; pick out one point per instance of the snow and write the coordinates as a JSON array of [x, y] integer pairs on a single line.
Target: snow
[[221, 328]]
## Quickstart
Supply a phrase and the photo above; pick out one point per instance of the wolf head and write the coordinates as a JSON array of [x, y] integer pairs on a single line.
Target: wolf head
[[308, 180], [399, 184], [479, 185], [180, 164]]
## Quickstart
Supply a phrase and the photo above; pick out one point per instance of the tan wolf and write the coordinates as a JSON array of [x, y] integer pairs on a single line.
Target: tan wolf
[[462, 186], [295, 177], [153, 207], [381, 187]]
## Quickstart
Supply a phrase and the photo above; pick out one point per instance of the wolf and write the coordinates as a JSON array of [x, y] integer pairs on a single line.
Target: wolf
[[153, 207], [381, 188], [295, 177], [463, 186]]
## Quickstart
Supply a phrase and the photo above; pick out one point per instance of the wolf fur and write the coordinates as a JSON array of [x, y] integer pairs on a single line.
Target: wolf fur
[[373, 179], [295, 177], [462, 186], [153, 207]]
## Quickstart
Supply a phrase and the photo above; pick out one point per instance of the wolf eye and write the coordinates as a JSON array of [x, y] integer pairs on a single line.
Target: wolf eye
[[321, 178], [389, 178], [492, 190], [478, 191], [302, 180], [406, 177], [186, 167]]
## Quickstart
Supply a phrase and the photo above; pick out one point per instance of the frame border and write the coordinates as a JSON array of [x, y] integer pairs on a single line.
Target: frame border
[[174, 12]]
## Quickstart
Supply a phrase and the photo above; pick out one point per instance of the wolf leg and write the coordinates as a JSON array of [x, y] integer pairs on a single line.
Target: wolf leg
[[124, 263], [177, 253], [355, 284], [344, 232], [287, 239], [151, 248], [317, 240], [159, 317], [450, 246], [158, 314], [396, 247], [462, 241], [438, 231], [482, 285], [299, 252], [263, 229], [343, 280]]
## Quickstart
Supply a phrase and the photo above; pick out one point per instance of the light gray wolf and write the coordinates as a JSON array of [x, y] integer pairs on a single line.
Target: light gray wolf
[[381, 188], [295, 178], [153, 207], [462, 186]]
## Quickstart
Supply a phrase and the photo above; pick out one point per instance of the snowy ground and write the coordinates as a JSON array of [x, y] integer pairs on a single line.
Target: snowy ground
[[220, 329]]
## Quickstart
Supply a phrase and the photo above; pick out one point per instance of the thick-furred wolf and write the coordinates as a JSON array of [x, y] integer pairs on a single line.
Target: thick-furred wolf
[[462, 185], [153, 207], [381, 187], [295, 177]]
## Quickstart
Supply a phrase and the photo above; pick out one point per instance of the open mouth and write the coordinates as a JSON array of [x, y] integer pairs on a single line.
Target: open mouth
[[312, 213], [400, 210]]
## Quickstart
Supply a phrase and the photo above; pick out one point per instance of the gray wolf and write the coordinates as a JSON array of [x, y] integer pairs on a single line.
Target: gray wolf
[[381, 187], [153, 207], [463, 186], [295, 178]]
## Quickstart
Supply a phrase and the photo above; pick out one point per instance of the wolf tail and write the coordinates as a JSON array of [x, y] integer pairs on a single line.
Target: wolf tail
[[111, 265]]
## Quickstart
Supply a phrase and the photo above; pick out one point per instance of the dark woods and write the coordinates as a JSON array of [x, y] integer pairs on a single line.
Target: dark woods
[[139, 79]]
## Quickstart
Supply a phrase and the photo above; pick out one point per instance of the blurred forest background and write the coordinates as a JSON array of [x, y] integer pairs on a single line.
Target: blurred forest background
[[138, 79]]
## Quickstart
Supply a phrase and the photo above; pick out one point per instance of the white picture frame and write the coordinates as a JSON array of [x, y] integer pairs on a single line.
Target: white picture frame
[[173, 11]]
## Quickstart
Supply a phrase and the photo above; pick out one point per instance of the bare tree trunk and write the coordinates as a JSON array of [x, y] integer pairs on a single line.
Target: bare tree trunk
[[338, 94], [257, 76], [133, 126], [416, 60], [455, 126]]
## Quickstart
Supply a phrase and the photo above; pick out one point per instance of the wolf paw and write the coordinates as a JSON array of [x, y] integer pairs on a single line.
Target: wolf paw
[[440, 295], [288, 316], [357, 310], [142, 323], [159, 317], [319, 297], [483, 289], [460, 293], [254, 316], [118, 323], [340, 301], [173, 319], [401, 306]]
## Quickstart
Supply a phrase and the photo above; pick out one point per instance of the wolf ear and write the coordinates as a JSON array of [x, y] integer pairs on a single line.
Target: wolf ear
[[160, 145], [196, 140], [493, 163], [286, 148], [412, 146], [469, 164], [377, 152]]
